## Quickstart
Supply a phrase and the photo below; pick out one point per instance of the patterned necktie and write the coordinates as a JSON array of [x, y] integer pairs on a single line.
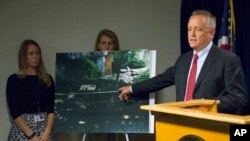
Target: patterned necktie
[[191, 80]]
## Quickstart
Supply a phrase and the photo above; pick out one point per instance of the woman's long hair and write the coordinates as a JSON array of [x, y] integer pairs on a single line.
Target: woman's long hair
[[23, 61], [110, 34]]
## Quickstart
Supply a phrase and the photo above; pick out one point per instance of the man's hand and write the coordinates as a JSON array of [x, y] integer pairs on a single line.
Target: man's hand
[[124, 92]]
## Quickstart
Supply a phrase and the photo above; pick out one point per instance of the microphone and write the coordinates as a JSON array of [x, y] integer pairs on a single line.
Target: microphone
[[226, 88]]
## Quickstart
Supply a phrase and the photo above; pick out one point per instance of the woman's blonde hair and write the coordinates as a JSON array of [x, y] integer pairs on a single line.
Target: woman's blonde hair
[[23, 62], [109, 33]]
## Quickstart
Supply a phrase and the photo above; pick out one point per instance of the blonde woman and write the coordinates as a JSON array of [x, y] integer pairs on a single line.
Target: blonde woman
[[106, 40], [30, 95]]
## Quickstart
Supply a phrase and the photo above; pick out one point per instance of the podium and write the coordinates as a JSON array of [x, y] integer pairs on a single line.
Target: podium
[[191, 121]]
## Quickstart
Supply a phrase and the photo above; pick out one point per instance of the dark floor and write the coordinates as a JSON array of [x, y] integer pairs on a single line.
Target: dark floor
[[104, 137], [100, 113]]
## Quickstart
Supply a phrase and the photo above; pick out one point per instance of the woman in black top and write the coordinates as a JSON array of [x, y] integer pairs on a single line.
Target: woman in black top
[[30, 95]]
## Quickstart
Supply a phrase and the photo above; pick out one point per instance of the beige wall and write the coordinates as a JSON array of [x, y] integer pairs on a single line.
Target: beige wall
[[72, 25]]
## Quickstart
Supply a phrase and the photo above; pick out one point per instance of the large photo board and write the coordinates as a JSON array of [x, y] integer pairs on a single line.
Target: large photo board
[[86, 91]]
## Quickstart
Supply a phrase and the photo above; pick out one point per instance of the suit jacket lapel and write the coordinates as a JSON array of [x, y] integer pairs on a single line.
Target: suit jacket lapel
[[186, 67], [207, 64]]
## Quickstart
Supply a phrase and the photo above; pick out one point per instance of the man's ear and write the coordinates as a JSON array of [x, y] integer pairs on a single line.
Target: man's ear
[[212, 33]]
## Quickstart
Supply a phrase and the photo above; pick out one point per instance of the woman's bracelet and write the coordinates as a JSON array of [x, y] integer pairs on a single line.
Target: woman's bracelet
[[32, 135]]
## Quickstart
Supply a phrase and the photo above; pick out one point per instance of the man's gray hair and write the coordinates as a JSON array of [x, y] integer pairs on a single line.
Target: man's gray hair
[[211, 20]]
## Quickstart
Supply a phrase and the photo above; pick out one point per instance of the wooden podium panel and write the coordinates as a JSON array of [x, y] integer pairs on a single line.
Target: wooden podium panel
[[184, 121], [173, 128]]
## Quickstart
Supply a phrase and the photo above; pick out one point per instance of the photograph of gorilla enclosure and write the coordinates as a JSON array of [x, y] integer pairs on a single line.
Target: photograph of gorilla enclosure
[[86, 91]]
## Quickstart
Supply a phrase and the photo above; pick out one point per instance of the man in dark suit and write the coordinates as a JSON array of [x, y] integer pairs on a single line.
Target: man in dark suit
[[216, 70]]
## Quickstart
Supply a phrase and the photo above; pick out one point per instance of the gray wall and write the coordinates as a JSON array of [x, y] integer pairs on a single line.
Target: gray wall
[[72, 25]]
